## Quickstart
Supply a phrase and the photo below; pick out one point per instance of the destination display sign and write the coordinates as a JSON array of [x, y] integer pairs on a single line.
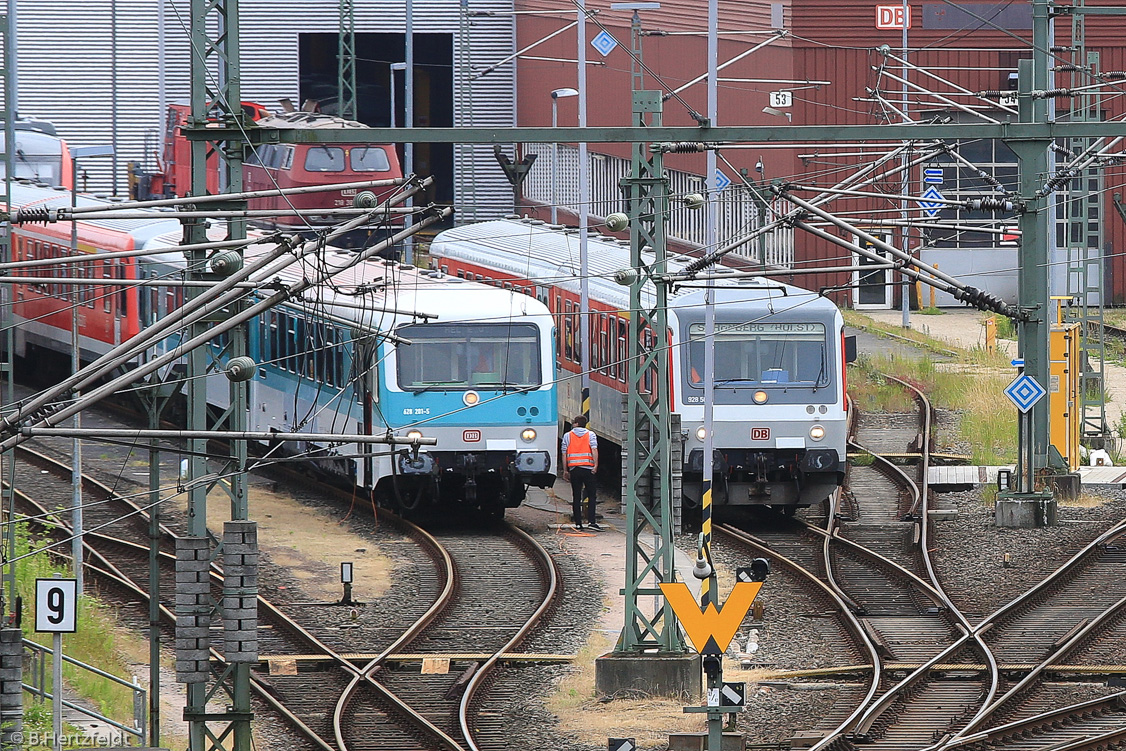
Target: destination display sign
[[697, 329]]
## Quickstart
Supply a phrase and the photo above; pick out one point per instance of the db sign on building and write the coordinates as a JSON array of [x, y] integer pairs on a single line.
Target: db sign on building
[[893, 17]]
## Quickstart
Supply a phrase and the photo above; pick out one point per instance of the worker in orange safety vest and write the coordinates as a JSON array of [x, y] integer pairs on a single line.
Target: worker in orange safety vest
[[580, 463]]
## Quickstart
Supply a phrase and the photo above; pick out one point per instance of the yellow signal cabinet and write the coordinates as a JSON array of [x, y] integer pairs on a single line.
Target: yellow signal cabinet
[[1064, 409]]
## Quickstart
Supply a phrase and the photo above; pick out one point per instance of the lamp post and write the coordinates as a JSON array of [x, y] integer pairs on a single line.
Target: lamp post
[[394, 67], [555, 97], [76, 153]]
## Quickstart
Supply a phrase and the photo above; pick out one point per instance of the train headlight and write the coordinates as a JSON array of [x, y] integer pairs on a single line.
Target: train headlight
[[414, 435], [817, 432], [701, 433], [760, 397], [528, 435], [470, 398]]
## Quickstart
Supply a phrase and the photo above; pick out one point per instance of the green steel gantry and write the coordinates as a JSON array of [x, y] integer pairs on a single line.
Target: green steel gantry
[[346, 62], [648, 447], [216, 99]]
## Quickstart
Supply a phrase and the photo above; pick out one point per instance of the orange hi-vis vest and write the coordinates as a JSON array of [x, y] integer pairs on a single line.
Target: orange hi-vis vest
[[579, 453]]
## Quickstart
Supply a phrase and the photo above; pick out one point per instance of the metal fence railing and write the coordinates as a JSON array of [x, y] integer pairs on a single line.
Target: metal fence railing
[[740, 210]]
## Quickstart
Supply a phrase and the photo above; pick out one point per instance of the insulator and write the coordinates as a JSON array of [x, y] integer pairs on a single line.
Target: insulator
[[1051, 93], [226, 263], [240, 369], [687, 147], [1068, 68], [994, 93], [365, 199], [990, 204], [1113, 74], [34, 215]]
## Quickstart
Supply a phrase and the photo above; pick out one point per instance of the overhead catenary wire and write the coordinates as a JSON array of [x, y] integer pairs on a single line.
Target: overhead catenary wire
[[52, 417]]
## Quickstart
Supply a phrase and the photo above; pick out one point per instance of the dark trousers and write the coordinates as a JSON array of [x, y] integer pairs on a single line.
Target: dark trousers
[[583, 485]]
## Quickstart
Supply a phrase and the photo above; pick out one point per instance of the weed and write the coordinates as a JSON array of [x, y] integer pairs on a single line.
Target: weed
[[94, 642]]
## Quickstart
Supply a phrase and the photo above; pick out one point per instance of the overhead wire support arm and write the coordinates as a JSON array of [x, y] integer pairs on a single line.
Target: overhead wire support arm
[[912, 266], [42, 407], [248, 435]]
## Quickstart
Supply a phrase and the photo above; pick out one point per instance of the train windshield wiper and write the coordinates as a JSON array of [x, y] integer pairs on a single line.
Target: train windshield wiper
[[436, 386], [729, 381]]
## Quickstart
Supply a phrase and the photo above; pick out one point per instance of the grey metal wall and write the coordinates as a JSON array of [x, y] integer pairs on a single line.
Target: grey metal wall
[[91, 68]]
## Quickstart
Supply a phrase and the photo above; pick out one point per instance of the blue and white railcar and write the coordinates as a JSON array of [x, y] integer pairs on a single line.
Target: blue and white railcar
[[382, 349], [391, 349], [779, 416]]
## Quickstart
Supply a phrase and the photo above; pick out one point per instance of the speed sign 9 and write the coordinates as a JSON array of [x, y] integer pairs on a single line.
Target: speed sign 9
[[56, 605]]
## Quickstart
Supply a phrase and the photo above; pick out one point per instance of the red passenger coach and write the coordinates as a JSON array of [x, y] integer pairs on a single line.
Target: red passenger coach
[[42, 306]]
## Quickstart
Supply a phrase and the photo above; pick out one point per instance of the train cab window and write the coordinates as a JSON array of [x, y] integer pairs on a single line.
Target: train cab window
[[368, 159], [324, 159], [459, 356], [286, 161], [764, 354]]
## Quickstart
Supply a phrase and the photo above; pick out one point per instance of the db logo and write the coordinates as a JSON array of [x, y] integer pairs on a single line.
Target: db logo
[[471, 436], [760, 434]]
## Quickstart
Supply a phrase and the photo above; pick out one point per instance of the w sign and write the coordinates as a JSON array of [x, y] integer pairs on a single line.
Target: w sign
[[893, 17]]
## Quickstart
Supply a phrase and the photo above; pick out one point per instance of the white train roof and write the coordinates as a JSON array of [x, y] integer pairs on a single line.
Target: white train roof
[[392, 285], [546, 254], [432, 295], [148, 225]]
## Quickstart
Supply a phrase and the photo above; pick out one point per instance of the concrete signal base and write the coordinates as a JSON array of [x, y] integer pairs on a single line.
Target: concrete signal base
[[1025, 510], [649, 674]]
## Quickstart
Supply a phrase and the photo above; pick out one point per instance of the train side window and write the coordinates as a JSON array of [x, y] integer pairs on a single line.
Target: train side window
[[460, 274], [604, 336], [123, 292], [623, 350], [568, 333], [445, 269], [107, 298], [287, 157], [274, 350]]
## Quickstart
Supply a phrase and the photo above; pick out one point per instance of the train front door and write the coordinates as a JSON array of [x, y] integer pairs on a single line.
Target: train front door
[[872, 287]]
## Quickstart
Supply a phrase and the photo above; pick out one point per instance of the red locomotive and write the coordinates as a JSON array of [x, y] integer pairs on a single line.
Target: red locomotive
[[273, 166]]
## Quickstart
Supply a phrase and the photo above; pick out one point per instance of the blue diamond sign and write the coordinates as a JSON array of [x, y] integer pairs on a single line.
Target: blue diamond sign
[[721, 180], [1024, 392], [604, 43], [931, 201]]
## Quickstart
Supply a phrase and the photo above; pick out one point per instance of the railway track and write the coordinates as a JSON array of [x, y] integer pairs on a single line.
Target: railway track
[[336, 699]]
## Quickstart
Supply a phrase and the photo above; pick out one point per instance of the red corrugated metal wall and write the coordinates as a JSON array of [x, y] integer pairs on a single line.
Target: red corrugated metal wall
[[829, 41]]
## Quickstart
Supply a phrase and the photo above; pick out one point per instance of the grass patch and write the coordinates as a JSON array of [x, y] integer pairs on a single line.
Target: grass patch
[[591, 722], [930, 312], [1085, 500], [96, 642], [972, 382]]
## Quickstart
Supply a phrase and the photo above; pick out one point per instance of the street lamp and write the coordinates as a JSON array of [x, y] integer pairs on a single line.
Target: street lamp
[[555, 97], [394, 67], [778, 113], [76, 153]]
